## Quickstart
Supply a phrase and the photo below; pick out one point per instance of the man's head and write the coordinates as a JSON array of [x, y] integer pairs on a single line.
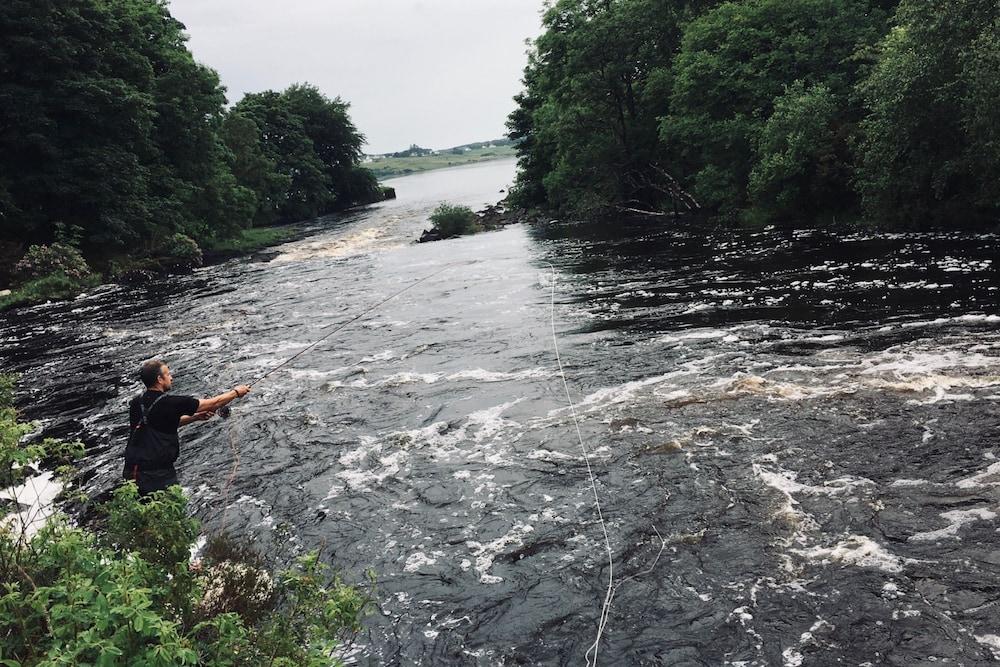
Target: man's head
[[155, 375]]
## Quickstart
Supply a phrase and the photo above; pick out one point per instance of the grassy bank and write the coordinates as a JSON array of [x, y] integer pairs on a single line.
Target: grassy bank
[[388, 167], [57, 285], [251, 240]]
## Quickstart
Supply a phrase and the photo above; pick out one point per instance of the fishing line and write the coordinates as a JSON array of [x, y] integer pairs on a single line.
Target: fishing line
[[224, 412], [606, 607], [592, 652], [355, 319]]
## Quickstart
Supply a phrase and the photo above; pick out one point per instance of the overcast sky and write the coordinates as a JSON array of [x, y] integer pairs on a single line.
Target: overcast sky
[[437, 73]]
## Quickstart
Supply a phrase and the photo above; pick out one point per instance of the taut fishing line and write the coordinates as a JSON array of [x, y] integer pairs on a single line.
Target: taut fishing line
[[592, 651], [225, 411], [602, 624], [591, 654]]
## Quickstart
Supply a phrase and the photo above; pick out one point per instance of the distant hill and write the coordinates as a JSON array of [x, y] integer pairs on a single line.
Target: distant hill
[[415, 159]]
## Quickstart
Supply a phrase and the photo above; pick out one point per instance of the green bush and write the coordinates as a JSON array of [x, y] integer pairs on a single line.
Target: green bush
[[45, 260], [181, 250], [128, 594], [450, 220]]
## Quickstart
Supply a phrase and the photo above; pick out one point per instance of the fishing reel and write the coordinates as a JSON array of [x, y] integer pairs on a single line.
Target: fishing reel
[[224, 412]]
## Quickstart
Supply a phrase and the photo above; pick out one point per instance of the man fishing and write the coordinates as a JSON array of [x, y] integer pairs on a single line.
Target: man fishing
[[154, 417]]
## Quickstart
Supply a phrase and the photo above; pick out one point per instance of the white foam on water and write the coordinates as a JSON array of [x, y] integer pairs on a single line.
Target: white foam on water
[[909, 482], [785, 485], [378, 459], [381, 356], [486, 553], [993, 641], [608, 396], [698, 334], [208, 344], [745, 619], [741, 384], [198, 545], [37, 494], [856, 550], [418, 560], [481, 375], [478, 375], [956, 519], [971, 318], [549, 455], [791, 657], [355, 243], [919, 363], [988, 477], [785, 481]]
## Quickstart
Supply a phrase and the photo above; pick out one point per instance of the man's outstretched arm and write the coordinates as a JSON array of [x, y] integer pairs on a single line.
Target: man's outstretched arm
[[216, 402]]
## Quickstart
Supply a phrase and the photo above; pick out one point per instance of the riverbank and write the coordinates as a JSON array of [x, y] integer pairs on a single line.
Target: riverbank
[[60, 287]]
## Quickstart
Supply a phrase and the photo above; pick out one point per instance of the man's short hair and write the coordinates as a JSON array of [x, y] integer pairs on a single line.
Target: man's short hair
[[150, 371]]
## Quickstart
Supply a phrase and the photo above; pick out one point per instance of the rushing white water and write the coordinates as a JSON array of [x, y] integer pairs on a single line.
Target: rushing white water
[[808, 421]]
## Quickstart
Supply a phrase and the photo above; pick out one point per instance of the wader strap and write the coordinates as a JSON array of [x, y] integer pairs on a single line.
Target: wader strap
[[146, 411]]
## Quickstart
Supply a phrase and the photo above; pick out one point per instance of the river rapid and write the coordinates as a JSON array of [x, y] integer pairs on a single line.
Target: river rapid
[[794, 435]]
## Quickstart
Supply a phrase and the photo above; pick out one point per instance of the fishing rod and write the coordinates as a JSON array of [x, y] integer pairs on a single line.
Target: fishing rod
[[354, 319], [225, 411]]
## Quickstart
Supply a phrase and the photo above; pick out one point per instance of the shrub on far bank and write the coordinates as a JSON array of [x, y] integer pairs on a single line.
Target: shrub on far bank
[[47, 272], [450, 220], [46, 260], [181, 251]]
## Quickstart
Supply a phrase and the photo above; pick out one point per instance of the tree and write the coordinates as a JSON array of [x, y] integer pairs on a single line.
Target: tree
[[76, 115], [802, 162], [735, 64], [929, 148], [315, 150], [107, 123], [586, 123]]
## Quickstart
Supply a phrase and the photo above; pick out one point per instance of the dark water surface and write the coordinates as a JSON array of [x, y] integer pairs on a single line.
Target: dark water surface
[[810, 423]]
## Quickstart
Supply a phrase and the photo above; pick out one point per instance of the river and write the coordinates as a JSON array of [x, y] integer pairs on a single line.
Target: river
[[794, 436]]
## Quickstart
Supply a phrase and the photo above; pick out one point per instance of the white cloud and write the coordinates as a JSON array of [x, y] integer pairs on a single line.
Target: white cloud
[[433, 72]]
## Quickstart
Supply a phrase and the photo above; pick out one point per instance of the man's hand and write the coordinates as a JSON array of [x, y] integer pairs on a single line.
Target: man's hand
[[241, 390]]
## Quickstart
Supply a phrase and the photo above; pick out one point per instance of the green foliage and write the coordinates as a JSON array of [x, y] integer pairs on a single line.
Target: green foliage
[[19, 460], [181, 250], [586, 123], [7, 382], [299, 153], [114, 139], [764, 109], [451, 220], [129, 595], [732, 71], [252, 239], [802, 155], [929, 148], [44, 260], [53, 287]]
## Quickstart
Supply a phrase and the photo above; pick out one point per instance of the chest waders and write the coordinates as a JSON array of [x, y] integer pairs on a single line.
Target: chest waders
[[150, 454]]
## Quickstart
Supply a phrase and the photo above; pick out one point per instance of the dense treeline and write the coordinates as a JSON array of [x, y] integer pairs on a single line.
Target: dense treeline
[[765, 110], [110, 129]]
